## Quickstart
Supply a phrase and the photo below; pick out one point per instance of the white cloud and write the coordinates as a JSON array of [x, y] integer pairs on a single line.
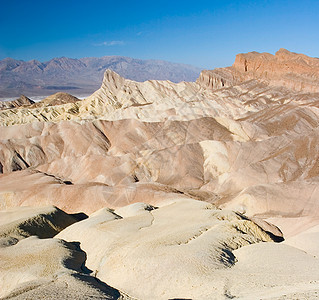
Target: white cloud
[[111, 43]]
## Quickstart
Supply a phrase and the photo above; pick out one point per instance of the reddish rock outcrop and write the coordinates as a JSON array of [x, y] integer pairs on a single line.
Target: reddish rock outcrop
[[297, 72]]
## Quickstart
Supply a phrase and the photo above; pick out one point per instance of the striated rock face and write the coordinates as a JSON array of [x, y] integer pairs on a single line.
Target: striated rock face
[[217, 78], [25, 102], [22, 101], [56, 99], [297, 72]]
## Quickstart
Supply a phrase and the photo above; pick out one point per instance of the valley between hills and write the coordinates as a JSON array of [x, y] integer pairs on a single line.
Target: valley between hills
[[203, 189]]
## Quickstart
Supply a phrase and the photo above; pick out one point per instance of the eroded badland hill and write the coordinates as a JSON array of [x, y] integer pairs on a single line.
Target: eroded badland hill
[[195, 190]]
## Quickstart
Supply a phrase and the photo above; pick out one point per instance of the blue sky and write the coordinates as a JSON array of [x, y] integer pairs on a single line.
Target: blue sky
[[206, 34]]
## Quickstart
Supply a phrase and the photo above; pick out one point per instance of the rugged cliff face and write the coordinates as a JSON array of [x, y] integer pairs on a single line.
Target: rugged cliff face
[[297, 72], [217, 79]]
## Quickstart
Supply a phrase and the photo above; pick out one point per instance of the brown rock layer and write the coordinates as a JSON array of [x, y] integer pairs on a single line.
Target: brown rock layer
[[22, 101], [297, 72]]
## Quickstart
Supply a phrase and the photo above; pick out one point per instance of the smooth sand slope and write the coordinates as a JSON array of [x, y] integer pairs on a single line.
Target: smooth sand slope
[[46, 268], [183, 249]]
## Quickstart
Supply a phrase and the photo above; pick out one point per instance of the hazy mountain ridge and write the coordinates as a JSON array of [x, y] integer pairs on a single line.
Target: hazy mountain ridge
[[82, 75]]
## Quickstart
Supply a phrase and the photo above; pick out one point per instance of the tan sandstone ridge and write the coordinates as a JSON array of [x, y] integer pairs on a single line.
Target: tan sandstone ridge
[[56, 99], [22, 101], [219, 162], [286, 69]]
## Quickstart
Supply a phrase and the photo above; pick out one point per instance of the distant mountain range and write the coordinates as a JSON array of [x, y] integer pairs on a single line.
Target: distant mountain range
[[82, 76]]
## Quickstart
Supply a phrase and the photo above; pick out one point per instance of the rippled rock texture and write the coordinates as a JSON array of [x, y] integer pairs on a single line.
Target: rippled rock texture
[[218, 162]]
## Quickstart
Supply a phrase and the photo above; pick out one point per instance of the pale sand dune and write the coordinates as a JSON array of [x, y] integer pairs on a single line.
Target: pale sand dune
[[184, 243], [22, 222], [47, 268], [307, 240], [175, 250], [273, 271], [67, 287], [142, 250]]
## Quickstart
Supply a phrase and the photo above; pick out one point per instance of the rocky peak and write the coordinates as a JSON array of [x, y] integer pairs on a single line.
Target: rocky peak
[[64, 63], [22, 101], [56, 99], [9, 64]]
